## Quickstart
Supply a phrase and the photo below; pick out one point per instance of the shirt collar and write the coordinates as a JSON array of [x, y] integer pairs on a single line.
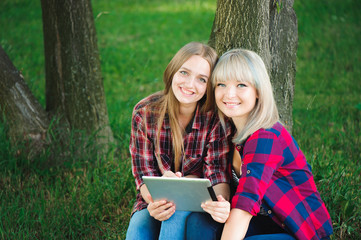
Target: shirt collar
[[196, 120]]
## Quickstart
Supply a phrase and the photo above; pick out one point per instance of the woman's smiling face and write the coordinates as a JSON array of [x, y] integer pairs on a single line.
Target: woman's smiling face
[[236, 99], [190, 82]]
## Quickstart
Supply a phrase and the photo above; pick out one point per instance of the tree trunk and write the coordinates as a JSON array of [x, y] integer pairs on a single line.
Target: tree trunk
[[74, 85], [26, 120], [283, 48], [242, 23], [259, 26]]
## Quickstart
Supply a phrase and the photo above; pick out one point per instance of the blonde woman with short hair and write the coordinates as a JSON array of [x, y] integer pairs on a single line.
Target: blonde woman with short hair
[[274, 193]]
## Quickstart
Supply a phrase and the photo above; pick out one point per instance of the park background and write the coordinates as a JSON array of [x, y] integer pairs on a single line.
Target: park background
[[88, 199]]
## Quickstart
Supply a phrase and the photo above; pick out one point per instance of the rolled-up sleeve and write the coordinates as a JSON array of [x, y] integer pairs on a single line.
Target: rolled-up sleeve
[[262, 156], [215, 167], [141, 150]]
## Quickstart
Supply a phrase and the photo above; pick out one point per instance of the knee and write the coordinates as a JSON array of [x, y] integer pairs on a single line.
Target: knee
[[202, 226]]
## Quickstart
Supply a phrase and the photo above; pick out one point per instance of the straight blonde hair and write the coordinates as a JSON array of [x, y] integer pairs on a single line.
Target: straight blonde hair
[[247, 66], [168, 103]]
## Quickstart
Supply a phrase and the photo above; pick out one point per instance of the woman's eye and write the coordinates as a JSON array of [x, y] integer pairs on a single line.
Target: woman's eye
[[241, 85], [221, 85], [183, 73], [203, 80]]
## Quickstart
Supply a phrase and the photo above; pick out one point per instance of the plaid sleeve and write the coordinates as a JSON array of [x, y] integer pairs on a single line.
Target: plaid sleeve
[[141, 150], [262, 155], [215, 167]]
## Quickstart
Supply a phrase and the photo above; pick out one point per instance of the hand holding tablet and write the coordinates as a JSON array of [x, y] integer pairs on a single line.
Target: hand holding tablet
[[186, 193]]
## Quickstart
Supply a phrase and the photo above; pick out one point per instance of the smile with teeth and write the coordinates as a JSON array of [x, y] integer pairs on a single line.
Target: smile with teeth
[[231, 104], [185, 91]]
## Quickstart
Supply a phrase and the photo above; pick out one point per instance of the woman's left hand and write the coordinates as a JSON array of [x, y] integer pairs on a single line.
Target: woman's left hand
[[219, 210]]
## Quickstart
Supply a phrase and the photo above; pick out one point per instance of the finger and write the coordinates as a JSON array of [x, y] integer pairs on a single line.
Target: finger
[[169, 174], [219, 210], [156, 204], [155, 209], [178, 174], [166, 214], [217, 215], [220, 198]]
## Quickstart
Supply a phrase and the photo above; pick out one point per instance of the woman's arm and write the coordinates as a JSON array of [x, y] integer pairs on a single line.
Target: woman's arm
[[237, 225], [222, 189]]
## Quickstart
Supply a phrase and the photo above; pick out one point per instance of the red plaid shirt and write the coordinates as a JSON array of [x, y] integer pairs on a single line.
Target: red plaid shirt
[[205, 145], [275, 173]]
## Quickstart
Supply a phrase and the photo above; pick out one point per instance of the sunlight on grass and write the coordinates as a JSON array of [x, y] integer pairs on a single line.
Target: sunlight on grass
[[91, 198]]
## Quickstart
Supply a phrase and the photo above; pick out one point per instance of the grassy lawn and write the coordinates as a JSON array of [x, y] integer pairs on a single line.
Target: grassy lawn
[[85, 199]]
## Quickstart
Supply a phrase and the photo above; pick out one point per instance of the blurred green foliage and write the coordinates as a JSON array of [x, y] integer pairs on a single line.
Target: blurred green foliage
[[86, 198]]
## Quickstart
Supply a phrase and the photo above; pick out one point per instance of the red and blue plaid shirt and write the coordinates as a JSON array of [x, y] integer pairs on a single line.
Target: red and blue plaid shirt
[[205, 147], [275, 173]]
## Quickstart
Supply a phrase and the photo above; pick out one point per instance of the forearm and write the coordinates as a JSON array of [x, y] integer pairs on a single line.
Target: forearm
[[145, 193], [237, 225], [191, 176], [222, 189]]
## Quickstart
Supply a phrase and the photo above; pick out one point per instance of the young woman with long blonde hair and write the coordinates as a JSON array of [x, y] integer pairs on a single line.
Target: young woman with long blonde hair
[[176, 133]]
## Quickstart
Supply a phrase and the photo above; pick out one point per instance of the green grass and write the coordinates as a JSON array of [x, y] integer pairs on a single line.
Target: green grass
[[90, 199]]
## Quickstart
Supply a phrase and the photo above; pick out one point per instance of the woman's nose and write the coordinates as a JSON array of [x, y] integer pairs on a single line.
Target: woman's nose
[[230, 92], [190, 81]]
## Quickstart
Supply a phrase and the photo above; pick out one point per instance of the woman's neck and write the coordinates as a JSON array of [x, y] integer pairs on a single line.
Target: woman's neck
[[186, 114], [240, 123]]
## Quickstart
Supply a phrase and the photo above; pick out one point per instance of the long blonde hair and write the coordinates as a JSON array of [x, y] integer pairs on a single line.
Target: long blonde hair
[[247, 66], [168, 103]]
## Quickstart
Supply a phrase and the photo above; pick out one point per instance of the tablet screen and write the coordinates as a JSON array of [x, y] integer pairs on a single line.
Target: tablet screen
[[187, 193]]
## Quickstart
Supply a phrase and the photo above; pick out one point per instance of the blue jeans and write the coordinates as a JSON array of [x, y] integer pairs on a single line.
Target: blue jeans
[[264, 228], [202, 226], [143, 226], [273, 236]]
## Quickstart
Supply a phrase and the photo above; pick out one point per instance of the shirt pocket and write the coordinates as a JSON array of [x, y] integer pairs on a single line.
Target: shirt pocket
[[166, 163], [193, 164]]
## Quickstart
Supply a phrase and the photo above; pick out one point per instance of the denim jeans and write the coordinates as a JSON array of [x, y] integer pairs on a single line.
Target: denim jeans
[[143, 226], [264, 228], [272, 236], [202, 226]]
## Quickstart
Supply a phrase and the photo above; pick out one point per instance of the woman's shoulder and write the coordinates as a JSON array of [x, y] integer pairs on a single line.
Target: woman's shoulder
[[273, 132], [148, 101], [277, 134]]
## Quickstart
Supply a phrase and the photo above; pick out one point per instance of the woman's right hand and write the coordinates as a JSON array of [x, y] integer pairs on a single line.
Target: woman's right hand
[[161, 210], [219, 210]]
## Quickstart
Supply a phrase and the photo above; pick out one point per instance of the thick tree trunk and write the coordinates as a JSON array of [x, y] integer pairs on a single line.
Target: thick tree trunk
[[271, 32], [242, 23], [25, 118], [74, 85], [283, 48]]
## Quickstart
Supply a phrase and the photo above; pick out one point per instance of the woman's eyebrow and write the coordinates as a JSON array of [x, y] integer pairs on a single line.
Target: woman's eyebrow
[[189, 70]]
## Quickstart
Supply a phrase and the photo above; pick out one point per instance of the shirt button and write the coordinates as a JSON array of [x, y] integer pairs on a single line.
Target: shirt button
[[269, 212], [248, 171], [238, 147], [283, 225]]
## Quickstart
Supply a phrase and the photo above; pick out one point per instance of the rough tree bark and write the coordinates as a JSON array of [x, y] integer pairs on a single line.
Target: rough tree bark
[[283, 48], [26, 120], [74, 86], [268, 27]]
